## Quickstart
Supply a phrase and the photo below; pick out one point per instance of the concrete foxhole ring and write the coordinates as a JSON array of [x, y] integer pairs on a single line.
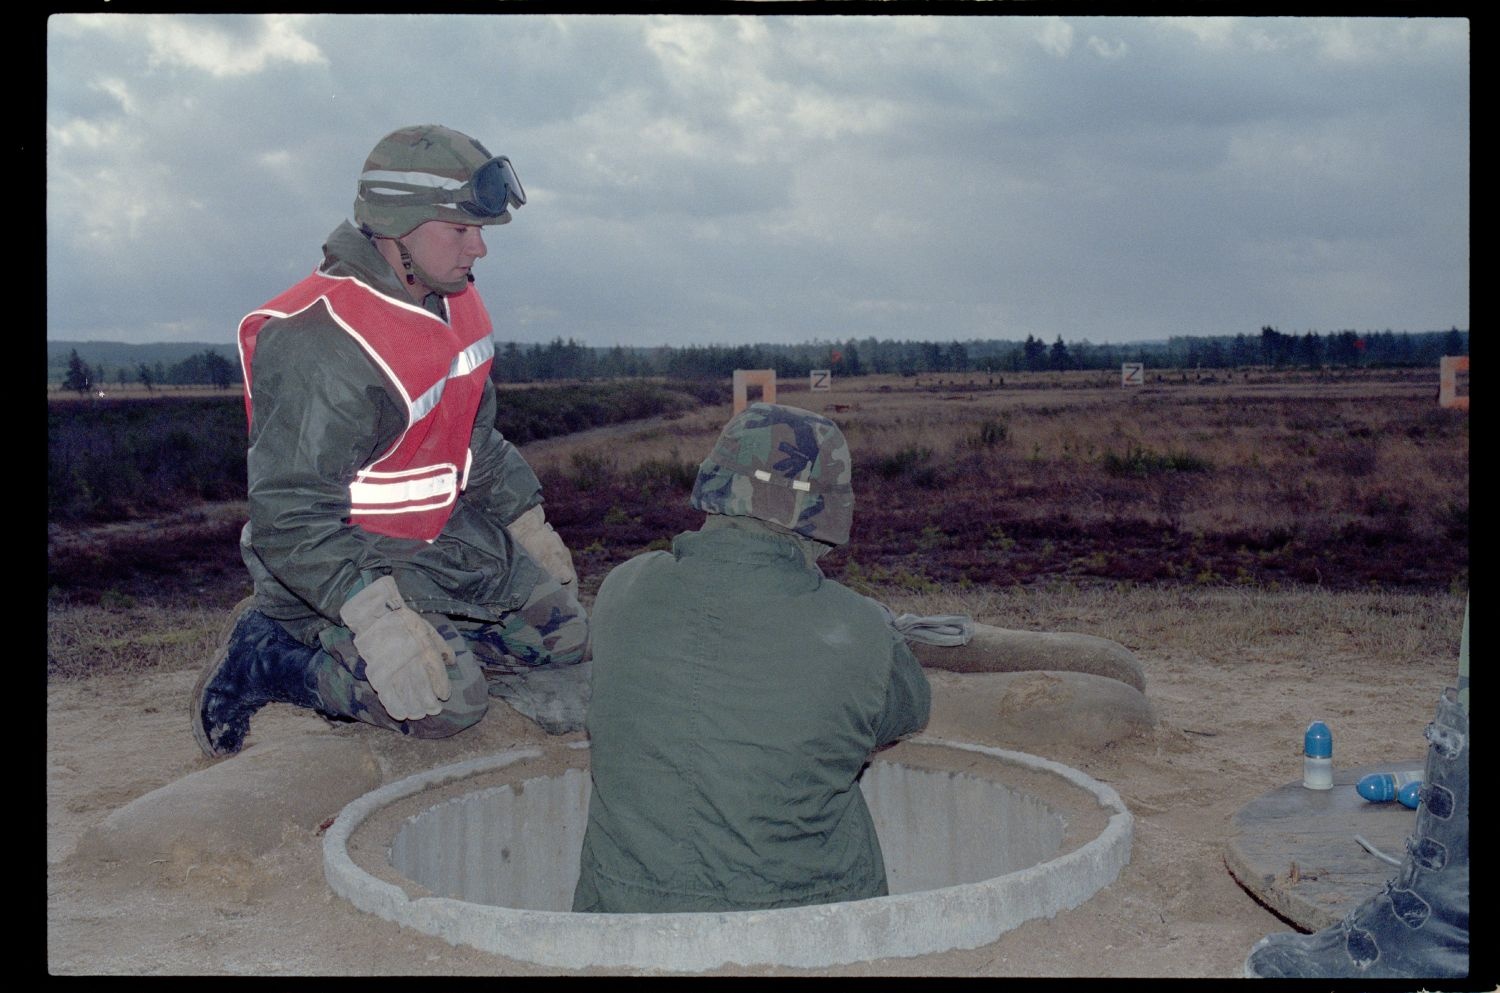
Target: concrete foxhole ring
[[484, 853]]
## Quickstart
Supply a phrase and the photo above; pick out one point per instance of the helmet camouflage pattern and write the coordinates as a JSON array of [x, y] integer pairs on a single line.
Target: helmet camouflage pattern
[[784, 465], [431, 173]]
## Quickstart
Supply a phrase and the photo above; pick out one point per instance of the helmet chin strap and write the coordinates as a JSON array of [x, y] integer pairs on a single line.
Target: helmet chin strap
[[415, 272]]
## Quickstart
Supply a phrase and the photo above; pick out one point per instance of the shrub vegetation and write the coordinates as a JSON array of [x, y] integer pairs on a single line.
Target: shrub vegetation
[[115, 459]]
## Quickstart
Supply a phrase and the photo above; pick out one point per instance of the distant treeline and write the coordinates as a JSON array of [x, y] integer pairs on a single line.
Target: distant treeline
[[108, 361], [570, 360], [205, 368], [516, 363]]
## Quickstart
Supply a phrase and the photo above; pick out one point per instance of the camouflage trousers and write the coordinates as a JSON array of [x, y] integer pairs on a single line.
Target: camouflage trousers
[[548, 633]]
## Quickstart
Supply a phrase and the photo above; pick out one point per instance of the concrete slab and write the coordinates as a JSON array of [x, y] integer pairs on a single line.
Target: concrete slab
[[1293, 848]]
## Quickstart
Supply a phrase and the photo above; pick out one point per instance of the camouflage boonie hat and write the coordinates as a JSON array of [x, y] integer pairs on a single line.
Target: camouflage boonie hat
[[784, 465], [431, 173]]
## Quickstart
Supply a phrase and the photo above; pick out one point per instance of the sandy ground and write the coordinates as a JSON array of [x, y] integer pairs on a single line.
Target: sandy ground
[[1230, 707]]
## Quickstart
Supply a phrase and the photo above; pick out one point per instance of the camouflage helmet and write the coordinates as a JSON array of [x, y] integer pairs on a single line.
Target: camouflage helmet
[[432, 173], [783, 465]]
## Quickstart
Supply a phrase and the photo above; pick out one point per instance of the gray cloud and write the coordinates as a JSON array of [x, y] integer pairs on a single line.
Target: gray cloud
[[706, 179]]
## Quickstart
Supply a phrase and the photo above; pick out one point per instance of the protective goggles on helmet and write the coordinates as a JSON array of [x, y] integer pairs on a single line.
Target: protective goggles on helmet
[[493, 187], [488, 192]]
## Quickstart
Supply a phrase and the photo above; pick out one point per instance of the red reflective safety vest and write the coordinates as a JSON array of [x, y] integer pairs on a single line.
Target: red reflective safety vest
[[440, 370]]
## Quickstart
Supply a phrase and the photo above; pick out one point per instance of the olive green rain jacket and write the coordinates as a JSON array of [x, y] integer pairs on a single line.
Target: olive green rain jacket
[[737, 693], [323, 411]]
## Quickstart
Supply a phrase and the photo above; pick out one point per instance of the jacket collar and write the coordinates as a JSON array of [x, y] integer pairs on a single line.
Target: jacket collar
[[742, 542], [347, 252]]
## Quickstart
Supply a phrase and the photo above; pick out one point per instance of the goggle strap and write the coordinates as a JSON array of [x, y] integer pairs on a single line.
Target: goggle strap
[[428, 197]]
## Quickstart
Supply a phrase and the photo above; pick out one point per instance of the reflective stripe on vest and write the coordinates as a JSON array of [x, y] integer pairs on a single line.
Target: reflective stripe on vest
[[422, 488]]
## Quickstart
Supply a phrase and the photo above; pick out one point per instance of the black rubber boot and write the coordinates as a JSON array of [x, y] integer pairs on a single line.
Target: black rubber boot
[[258, 663], [1417, 927]]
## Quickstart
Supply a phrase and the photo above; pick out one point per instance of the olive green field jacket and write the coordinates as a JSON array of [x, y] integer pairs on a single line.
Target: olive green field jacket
[[737, 695]]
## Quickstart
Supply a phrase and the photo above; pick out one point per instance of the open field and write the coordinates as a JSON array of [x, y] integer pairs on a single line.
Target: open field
[[135, 391], [1272, 549], [1352, 483], [1358, 482]]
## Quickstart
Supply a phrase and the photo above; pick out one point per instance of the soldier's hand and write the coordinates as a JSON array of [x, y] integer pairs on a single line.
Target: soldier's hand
[[532, 532], [405, 658]]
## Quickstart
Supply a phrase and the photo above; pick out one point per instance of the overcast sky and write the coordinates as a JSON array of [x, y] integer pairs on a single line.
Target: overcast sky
[[726, 180]]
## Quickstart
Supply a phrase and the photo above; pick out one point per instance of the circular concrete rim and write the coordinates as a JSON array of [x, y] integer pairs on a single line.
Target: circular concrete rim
[[963, 916]]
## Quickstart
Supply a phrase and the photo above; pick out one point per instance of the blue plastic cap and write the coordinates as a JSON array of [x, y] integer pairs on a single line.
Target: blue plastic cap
[[1318, 742]]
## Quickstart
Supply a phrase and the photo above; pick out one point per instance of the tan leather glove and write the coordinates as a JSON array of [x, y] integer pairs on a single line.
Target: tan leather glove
[[406, 659], [532, 532]]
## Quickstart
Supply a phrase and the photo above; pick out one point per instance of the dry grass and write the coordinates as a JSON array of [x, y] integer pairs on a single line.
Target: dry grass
[[1275, 479], [1366, 435], [120, 637]]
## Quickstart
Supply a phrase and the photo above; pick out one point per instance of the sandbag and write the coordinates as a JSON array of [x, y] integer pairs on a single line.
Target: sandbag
[[994, 649], [1035, 711]]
